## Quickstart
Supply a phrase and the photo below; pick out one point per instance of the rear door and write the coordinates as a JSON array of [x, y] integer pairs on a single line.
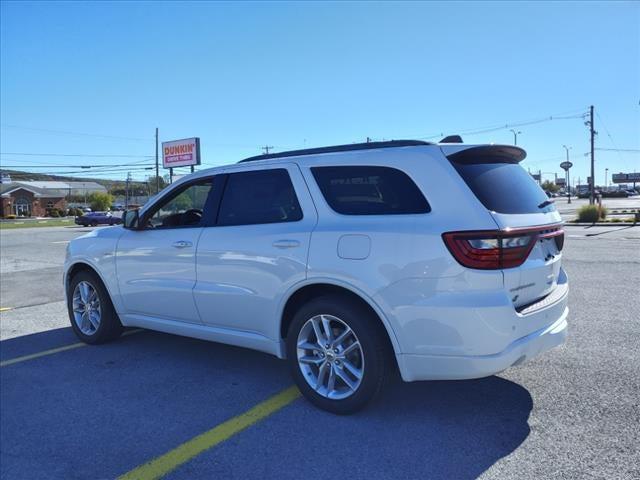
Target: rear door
[[257, 250], [516, 203]]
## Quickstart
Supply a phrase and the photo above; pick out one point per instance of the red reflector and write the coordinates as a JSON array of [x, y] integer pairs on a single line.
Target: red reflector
[[496, 249]]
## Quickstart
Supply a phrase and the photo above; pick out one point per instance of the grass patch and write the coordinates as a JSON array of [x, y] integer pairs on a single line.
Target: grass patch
[[58, 222]]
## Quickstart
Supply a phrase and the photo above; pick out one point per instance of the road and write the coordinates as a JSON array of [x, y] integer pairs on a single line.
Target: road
[[570, 210], [99, 412]]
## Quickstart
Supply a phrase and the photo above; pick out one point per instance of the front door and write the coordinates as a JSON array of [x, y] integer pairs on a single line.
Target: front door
[[156, 264]]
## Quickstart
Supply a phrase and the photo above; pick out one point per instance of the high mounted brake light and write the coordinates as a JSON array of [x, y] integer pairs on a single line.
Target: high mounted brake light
[[497, 249]]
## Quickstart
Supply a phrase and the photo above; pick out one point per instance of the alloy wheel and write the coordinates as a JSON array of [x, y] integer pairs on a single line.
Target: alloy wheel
[[87, 312], [330, 357]]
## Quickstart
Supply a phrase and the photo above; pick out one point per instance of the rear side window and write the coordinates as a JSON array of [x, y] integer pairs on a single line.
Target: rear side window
[[504, 187], [369, 190], [261, 196]]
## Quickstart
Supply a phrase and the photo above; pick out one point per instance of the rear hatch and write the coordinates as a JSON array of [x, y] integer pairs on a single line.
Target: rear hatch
[[529, 232]]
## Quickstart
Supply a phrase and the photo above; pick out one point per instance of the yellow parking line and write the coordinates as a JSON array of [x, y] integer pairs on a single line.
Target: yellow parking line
[[168, 462], [24, 358], [5, 309], [44, 353]]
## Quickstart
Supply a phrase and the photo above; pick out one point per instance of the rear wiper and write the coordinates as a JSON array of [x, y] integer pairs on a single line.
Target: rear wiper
[[546, 203]]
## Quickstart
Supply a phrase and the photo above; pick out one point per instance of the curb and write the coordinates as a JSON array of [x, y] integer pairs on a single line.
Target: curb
[[607, 224]]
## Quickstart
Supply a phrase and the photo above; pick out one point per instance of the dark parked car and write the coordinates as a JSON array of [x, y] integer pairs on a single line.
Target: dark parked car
[[97, 218]]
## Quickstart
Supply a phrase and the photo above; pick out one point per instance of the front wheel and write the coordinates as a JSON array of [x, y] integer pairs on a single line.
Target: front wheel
[[93, 318], [337, 354]]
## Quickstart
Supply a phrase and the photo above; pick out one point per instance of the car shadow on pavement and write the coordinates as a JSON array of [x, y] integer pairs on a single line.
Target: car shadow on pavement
[[141, 396]]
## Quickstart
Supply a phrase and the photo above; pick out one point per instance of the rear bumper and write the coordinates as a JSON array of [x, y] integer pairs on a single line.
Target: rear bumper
[[459, 335], [450, 367]]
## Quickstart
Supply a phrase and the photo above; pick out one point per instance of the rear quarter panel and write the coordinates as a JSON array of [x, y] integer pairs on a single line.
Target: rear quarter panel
[[407, 261]]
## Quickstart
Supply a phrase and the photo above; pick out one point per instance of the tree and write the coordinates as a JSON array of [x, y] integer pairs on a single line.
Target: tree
[[151, 181], [183, 202], [548, 186], [100, 201]]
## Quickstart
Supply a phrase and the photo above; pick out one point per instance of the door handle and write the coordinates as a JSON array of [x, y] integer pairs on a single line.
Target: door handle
[[182, 244], [286, 243]]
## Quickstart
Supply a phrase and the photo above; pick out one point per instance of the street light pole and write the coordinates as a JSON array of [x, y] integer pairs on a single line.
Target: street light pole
[[606, 175], [567, 175], [515, 135]]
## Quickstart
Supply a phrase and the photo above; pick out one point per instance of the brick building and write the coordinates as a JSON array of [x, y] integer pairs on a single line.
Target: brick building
[[26, 198]]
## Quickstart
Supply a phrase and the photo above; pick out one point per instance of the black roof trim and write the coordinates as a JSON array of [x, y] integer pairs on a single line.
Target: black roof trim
[[451, 139], [339, 148], [489, 154]]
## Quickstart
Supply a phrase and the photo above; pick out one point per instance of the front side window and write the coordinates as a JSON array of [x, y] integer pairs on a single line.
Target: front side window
[[369, 190], [261, 196], [184, 208]]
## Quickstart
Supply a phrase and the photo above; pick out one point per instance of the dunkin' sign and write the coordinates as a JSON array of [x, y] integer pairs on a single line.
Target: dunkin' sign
[[181, 153]]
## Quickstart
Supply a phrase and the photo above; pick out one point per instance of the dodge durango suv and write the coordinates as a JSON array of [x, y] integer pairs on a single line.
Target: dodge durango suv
[[441, 261]]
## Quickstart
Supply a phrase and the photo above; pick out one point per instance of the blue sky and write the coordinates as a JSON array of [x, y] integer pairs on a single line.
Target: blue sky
[[289, 75]]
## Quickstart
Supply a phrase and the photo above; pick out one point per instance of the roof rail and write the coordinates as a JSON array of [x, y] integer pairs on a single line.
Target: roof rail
[[339, 148]]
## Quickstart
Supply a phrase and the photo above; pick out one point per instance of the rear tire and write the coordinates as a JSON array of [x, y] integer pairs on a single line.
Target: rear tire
[[354, 358], [93, 318]]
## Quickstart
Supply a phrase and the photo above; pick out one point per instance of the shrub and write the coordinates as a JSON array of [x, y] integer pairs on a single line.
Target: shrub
[[591, 213], [54, 213], [11, 216]]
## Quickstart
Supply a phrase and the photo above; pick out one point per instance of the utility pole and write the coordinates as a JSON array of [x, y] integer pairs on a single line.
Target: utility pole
[[157, 166], [266, 149], [592, 186], [606, 176], [126, 191]]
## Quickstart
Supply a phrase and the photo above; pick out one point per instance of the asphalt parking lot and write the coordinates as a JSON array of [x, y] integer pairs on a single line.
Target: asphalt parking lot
[[101, 412]]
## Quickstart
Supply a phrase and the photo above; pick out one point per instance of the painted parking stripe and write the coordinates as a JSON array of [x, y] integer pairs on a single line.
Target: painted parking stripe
[[52, 351], [63, 241], [168, 462]]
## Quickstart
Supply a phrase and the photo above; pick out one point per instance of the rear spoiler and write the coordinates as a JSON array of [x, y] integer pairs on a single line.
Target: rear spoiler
[[484, 153]]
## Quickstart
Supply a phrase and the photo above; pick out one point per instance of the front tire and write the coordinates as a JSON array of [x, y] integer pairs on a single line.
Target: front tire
[[93, 318], [337, 354]]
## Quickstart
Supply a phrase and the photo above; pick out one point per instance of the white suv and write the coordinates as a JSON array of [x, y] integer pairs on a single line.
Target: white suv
[[442, 260]]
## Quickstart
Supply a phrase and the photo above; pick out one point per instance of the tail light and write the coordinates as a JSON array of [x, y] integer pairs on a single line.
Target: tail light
[[497, 249]]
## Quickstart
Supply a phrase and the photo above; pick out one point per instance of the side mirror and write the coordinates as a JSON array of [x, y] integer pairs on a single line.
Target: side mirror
[[130, 219]]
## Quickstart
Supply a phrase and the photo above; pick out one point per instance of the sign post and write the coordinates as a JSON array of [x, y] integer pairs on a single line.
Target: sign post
[[566, 166], [181, 153]]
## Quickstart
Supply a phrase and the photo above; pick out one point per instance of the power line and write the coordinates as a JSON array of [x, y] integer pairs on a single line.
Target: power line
[[624, 150], [87, 167], [93, 155], [521, 123], [66, 132]]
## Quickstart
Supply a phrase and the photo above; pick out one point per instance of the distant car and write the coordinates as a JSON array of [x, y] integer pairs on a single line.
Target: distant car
[[97, 218], [86, 209]]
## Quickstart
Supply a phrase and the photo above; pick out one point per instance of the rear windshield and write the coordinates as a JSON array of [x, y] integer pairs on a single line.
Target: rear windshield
[[369, 190], [504, 187]]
